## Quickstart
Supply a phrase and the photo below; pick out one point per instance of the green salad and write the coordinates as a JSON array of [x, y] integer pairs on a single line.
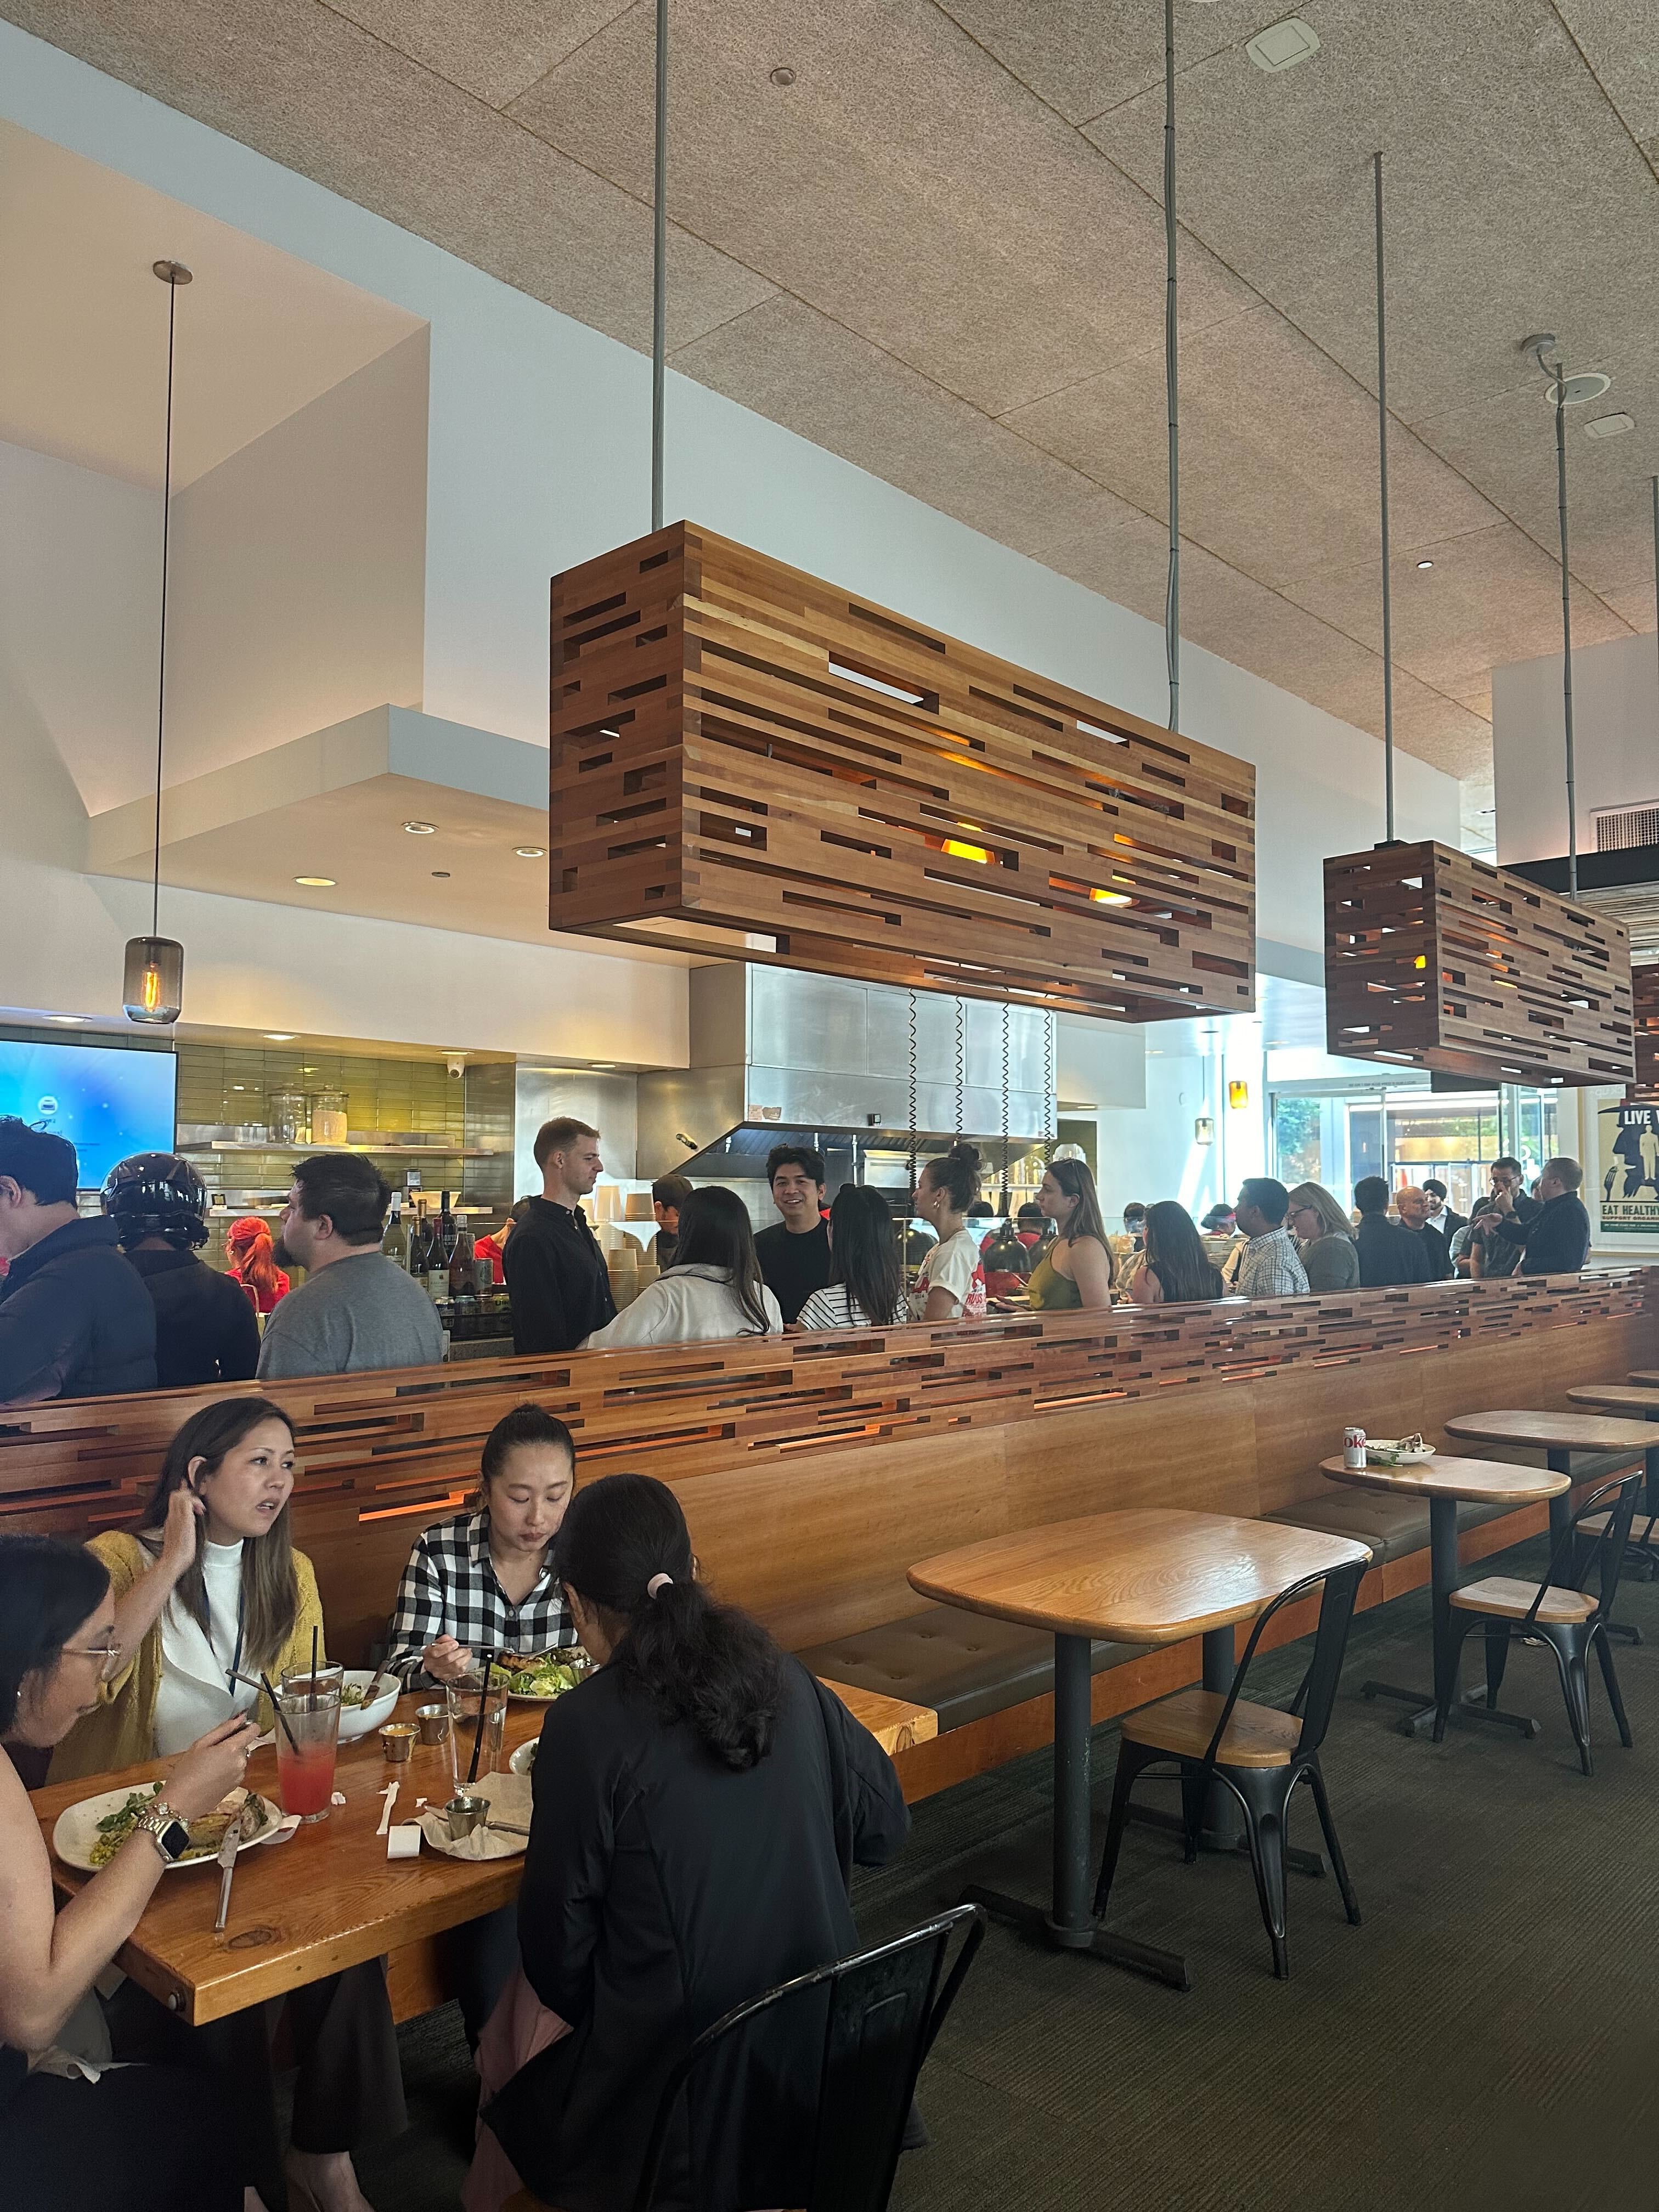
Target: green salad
[[547, 1675]]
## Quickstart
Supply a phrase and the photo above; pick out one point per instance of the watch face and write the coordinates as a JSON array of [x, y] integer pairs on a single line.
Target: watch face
[[174, 1839]]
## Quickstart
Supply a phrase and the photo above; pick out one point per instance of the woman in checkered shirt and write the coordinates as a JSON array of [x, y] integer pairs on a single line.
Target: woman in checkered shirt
[[482, 1581]]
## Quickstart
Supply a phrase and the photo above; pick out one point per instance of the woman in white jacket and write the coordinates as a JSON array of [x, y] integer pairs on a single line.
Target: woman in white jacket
[[713, 1289]]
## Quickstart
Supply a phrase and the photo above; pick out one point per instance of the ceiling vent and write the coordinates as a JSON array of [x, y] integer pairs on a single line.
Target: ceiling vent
[[1619, 828], [1284, 46], [1609, 426]]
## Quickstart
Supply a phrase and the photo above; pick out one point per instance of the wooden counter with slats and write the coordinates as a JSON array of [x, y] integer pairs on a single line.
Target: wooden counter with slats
[[816, 1469]]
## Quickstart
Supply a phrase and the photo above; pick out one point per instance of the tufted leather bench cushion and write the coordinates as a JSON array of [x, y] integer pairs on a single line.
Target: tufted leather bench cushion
[[962, 1664]]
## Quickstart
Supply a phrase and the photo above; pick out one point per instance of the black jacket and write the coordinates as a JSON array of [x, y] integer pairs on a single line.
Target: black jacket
[[1555, 1238], [74, 1320], [660, 1890], [1390, 1253], [206, 1330], [1438, 1248], [555, 1274]]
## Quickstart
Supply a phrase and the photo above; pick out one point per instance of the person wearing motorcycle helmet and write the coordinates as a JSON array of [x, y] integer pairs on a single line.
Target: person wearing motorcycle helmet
[[205, 1328]]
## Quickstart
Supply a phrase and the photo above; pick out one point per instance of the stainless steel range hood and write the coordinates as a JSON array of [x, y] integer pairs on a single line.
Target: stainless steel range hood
[[777, 1055]]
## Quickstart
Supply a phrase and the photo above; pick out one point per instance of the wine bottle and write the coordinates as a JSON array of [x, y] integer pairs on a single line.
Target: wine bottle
[[443, 1244], [463, 1263], [395, 1243], [420, 1249]]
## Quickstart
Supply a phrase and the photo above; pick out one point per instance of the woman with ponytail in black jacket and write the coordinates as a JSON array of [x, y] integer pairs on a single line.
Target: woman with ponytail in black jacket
[[700, 1802]]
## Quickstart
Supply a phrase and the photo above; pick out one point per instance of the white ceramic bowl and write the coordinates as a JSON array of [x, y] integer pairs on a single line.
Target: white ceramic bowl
[[525, 1757], [381, 1695]]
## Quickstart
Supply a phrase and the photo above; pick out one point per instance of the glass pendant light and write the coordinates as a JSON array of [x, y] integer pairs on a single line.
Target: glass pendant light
[[153, 983]]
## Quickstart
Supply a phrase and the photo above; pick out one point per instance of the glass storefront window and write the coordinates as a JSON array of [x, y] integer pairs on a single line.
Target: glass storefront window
[[1339, 1133]]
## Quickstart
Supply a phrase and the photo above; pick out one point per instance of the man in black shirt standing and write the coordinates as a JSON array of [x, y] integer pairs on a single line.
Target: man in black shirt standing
[[794, 1253], [1387, 1253], [1411, 1203], [1555, 1237], [554, 1270], [206, 1329], [74, 1320]]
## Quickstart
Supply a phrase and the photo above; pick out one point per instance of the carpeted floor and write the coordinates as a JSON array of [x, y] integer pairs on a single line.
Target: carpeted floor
[[1486, 2042]]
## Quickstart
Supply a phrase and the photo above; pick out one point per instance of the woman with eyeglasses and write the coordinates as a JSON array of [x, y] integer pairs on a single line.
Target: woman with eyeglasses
[[147, 2138], [1329, 1254], [208, 1595]]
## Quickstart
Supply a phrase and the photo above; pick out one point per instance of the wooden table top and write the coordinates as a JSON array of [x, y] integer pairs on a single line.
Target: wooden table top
[[1147, 1576], [1553, 1431], [1647, 1376], [1618, 1397], [328, 1897], [1487, 1479]]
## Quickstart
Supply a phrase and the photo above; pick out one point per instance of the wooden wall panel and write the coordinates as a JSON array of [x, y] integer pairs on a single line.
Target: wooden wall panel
[[1644, 1020], [815, 1469], [1434, 959], [724, 775]]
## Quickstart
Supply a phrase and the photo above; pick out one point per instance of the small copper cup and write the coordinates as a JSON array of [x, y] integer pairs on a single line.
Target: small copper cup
[[397, 1740], [434, 1722]]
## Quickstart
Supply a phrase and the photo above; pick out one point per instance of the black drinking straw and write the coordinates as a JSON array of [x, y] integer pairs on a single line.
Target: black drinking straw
[[478, 1733], [311, 1701], [264, 1684]]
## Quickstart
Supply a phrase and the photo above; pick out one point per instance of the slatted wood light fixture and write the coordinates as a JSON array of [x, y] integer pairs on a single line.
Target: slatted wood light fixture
[[746, 759], [1435, 959], [1644, 1020]]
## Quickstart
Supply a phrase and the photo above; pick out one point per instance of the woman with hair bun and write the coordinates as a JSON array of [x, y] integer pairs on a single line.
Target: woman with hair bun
[[950, 1285], [700, 1802]]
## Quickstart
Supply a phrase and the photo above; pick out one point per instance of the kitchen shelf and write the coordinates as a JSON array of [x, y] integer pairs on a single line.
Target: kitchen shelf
[[401, 1151]]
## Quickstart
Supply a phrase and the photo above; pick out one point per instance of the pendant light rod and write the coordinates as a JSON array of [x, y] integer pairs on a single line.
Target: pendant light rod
[[1566, 621], [172, 274], [659, 269], [1171, 375], [1382, 484], [1656, 561]]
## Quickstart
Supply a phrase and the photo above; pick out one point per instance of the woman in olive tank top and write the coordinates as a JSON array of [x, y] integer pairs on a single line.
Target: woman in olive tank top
[[1076, 1269]]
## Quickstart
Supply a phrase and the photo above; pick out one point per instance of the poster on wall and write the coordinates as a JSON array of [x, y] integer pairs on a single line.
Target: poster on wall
[[1629, 1167]]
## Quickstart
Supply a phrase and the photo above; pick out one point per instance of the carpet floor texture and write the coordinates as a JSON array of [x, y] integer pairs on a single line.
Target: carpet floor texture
[[1486, 2041]]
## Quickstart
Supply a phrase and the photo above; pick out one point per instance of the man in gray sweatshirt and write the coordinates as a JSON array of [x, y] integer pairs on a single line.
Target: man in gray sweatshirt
[[356, 1309]]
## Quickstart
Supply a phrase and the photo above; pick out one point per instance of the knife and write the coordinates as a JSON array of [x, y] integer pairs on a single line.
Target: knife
[[227, 1851]]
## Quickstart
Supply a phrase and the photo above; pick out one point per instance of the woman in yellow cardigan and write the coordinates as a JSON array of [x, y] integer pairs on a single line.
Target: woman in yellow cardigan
[[210, 1588]]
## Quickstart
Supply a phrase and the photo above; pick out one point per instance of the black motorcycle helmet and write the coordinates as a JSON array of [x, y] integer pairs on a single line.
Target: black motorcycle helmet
[[157, 1194]]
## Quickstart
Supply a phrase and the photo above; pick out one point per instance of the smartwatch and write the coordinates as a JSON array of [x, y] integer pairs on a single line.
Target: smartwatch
[[169, 1834]]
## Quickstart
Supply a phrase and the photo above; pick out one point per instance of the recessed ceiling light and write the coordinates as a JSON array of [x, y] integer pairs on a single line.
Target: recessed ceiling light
[[1284, 46], [1609, 426], [1425, 564], [316, 883], [280, 1036], [783, 76], [442, 873], [531, 852], [66, 1021], [1579, 389], [422, 828], [602, 1066]]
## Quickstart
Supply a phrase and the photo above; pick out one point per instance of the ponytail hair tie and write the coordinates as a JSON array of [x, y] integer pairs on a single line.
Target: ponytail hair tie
[[659, 1582]]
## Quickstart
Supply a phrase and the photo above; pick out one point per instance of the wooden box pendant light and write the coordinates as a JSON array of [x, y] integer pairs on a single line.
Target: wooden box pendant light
[[747, 760], [1434, 959], [1644, 1012]]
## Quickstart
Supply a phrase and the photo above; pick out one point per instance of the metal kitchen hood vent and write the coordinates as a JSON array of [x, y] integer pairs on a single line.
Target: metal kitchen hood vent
[[777, 1055]]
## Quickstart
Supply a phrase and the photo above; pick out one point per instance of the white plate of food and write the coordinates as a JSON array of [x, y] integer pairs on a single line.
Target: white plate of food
[[525, 1757], [88, 1835], [1396, 1451], [535, 1679], [366, 1701]]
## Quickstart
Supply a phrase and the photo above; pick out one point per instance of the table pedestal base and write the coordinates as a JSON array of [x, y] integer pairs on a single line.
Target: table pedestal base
[[1166, 1966], [1472, 1706]]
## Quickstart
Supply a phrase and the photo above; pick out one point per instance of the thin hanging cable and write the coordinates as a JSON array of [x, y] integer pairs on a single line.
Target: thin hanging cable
[[1655, 561], [962, 1066], [910, 1201], [1171, 376], [1383, 483], [659, 269], [1048, 1101], [1007, 1011], [1566, 621], [162, 657]]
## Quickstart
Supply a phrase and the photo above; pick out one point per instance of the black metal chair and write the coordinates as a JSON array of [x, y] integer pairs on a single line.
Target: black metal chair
[[1564, 1615], [884, 2008], [1257, 1752]]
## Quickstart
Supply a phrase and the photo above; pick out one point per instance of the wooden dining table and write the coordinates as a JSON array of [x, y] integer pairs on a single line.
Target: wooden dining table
[[1442, 1482], [1148, 1576], [325, 1896]]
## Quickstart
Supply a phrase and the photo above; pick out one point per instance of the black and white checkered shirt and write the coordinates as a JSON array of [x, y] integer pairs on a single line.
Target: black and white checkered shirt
[[449, 1589]]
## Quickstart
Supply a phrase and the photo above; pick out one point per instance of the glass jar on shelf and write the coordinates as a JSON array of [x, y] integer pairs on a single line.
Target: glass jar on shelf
[[287, 1116], [328, 1118]]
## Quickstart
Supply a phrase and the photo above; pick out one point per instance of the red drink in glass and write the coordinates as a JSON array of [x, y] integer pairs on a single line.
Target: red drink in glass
[[307, 1731]]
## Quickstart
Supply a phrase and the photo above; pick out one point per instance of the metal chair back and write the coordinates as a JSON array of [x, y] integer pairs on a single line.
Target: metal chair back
[[1605, 1556], [1316, 1699], [882, 2010]]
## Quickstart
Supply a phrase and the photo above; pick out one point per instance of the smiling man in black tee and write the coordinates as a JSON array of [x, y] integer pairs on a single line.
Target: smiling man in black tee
[[794, 1253]]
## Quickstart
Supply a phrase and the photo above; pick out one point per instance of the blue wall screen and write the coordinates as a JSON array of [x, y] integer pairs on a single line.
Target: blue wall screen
[[107, 1103]]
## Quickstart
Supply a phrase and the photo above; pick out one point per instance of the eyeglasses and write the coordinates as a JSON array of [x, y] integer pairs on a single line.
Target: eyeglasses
[[109, 1657]]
